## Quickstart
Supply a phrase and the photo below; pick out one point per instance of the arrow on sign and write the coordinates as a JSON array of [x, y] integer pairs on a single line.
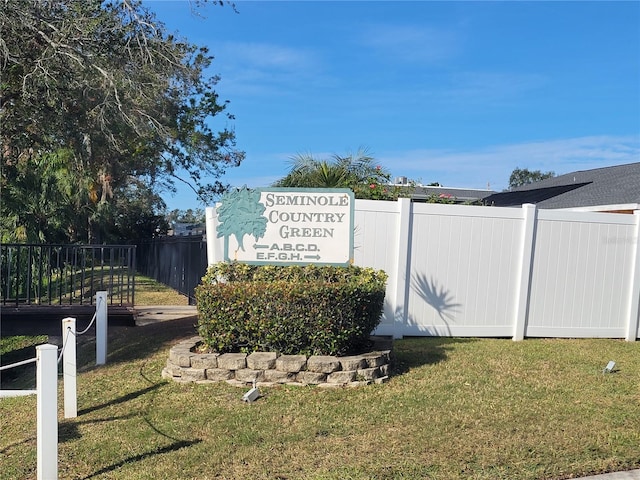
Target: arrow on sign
[[316, 257], [255, 245]]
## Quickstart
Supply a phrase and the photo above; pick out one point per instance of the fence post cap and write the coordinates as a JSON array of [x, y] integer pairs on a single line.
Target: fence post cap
[[47, 346]]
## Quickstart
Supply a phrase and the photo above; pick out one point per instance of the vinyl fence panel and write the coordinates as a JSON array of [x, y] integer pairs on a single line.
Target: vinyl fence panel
[[463, 269], [379, 243], [583, 264], [487, 271]]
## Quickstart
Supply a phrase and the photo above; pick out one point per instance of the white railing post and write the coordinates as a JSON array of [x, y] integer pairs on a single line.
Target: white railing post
[[101, 328], [634, 287], [69, 367], [47, 411], [523, 279]]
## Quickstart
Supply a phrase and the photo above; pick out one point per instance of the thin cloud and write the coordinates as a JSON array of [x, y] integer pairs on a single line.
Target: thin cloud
[[491, 86], [268, 56], [266, 69], [468, 92], [487, 167], [255, 182], [410, 43], [260, 169], [493, 165]]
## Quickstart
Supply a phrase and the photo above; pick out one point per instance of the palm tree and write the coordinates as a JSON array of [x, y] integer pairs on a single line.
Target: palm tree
[[361, 167], [339, 172], [308, 172]]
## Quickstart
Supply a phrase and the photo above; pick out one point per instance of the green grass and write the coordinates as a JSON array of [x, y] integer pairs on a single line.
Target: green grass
[[455, 409], [15, 349], [150, 292], [19, 342], [82, 289], [71, 286], [20, 347]]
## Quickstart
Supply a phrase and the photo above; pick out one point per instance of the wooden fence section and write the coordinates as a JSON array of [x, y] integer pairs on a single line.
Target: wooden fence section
[[458, 270]]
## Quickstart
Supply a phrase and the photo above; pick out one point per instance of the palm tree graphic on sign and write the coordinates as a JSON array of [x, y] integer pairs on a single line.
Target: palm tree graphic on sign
[[240, 214]]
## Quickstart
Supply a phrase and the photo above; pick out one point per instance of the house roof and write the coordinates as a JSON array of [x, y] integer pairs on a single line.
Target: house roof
[[460, 194], [618, 185]]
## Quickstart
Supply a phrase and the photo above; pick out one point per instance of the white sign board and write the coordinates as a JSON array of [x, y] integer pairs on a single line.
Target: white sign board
[[285, 226]]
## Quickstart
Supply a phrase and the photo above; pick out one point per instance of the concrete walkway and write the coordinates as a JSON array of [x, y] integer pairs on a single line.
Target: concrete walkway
[[629, 475], [146, 315]]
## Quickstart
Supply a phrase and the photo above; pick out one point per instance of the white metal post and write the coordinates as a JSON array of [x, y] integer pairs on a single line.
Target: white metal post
[[101, 328], [47, 411], [524, 279], [69, 367]]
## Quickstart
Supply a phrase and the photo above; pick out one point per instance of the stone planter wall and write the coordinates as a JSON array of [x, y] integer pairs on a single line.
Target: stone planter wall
[[269, 368]]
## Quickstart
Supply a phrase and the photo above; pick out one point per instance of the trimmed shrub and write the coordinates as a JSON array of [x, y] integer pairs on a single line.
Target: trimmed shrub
[[289, 309]]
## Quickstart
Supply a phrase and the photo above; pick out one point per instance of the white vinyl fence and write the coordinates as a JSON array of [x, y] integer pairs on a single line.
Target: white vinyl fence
[[459, 270]]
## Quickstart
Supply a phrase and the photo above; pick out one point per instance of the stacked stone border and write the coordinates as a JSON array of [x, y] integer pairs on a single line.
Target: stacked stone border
[[270, 369]]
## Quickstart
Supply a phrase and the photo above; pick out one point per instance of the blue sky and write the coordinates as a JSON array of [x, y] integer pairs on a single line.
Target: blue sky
[[459, 93]]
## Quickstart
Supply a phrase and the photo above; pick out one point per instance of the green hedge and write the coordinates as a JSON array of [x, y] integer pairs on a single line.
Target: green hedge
[[292, 310]]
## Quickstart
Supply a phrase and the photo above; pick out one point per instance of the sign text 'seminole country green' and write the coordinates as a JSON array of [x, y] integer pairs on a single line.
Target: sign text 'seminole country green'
[[289, 226]]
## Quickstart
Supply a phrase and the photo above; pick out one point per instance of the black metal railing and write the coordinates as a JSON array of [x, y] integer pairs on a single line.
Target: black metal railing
[[177, 261], [41, 274]]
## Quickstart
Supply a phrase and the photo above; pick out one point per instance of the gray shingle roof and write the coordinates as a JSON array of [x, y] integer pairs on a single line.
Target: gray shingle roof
[[617, 185], [460, 194]]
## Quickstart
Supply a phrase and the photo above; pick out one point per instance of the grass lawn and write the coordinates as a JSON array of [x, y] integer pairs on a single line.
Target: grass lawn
[[21, 347], [455, 408], [150, 292]]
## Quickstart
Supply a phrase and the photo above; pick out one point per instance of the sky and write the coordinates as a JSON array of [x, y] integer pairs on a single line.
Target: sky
[[459, 93]]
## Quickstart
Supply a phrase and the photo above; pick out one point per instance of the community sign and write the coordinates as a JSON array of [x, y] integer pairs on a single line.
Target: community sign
[[286, 226]]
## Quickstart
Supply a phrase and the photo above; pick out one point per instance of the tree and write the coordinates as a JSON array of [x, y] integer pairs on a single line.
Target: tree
[[358, 171], [38, 203], [308, 172], [186, 216], [136, 214], [524, 176], [107, 85]]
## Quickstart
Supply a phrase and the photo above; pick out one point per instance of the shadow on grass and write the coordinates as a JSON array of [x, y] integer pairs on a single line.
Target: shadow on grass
[[142, 456], [177, 444], [26, 441], [127, 343], [414, 352], [123, 399], [68, 429]]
